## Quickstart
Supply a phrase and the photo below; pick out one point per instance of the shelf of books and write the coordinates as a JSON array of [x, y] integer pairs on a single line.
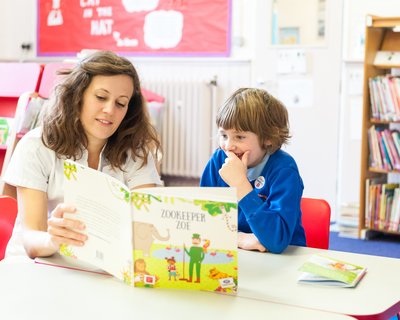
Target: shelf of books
[[380, 148]]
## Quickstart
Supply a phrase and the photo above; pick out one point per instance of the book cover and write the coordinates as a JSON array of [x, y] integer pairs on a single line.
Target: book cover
[[327, 271], [5, 125], [162, 237], [375, 154]]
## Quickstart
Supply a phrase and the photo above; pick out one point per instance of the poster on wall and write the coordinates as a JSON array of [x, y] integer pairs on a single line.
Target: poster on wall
[[134, 27]]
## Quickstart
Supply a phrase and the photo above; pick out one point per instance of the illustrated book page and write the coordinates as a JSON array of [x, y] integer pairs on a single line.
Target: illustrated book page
[[103, 204], [323, 270], [158, 237], [185, 237]]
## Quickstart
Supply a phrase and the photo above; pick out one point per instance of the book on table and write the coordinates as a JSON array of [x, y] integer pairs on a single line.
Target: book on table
[[327, 271], [58, 260], [163, 237]]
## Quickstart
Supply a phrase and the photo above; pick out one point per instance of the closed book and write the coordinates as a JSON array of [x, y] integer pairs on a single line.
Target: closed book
[[328, 271]]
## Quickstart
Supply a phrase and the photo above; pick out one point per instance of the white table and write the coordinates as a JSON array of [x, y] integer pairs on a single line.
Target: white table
[[33, 291], [272, 277]]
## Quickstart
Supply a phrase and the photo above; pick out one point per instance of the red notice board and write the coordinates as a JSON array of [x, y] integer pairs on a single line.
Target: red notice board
[[135, 27]]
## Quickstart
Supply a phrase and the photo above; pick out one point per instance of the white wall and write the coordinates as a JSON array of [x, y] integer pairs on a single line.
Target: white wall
[[314, 127], [17, 26]]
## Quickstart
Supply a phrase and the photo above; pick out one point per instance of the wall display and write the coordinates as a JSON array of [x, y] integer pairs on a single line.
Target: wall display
[[298, 22], [135, 27]]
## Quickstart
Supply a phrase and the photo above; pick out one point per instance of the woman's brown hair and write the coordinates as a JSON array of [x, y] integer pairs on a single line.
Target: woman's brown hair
[[63, 131]]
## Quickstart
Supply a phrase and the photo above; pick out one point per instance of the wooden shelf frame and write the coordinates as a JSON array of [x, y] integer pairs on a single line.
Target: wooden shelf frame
[[379, 36]]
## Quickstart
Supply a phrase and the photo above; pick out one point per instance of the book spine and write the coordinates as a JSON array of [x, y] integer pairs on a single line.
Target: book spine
[[375, 154], [388, 99], [374, 104], [382, 207], [394, 156], [384, 153], [393, 95], [377, 206], [395, 219], [396, 140]]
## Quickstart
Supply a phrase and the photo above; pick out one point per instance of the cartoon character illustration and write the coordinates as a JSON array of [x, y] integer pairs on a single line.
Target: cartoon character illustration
[[142, 275], [227, 283], [140, 270], [206, 245], [341, 266], [196, 255], [172, 272], [215, 274], [143, 236]]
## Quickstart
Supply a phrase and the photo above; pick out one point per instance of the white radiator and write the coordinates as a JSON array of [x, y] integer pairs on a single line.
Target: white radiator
[[187, 124]]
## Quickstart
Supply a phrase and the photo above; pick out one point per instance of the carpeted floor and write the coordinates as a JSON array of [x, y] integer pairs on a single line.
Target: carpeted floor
[[386, 246]]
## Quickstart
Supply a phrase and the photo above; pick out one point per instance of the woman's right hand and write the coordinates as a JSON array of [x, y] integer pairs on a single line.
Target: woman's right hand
[[65, 230]]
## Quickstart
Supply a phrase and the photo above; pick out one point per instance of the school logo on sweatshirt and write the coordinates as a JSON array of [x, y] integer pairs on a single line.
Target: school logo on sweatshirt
[[260, 182]]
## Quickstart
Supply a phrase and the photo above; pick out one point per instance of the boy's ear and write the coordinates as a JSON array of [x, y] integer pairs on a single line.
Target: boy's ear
[[267, 143]]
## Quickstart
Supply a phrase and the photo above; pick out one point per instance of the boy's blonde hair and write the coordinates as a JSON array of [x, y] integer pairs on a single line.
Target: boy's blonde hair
[[255, 110]]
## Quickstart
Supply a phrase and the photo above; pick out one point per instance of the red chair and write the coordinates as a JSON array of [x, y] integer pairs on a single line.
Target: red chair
[[316, 219], [8, 213]]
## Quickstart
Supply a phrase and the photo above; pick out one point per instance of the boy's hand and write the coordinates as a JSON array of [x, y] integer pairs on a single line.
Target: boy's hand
[[234, 170], [248, 241], [234, 173]]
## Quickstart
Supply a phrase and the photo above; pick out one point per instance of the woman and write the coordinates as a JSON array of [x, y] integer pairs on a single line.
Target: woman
[[98, 118]]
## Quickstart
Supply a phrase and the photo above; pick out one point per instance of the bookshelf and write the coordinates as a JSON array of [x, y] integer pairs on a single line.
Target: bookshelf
[[382, 43]]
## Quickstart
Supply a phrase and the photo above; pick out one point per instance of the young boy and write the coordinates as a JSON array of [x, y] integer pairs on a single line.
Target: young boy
[[252, 127]]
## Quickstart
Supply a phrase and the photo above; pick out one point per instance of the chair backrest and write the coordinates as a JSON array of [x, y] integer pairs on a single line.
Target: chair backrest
[[8, 213], [50, 77], [15, 79], [316, 219]]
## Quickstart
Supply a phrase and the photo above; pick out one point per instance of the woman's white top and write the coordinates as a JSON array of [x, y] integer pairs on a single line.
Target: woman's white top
[[35, 166]]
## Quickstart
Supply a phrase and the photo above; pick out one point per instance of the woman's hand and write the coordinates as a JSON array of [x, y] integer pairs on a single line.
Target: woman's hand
[[248, 241], [41, 235], [65, 230]]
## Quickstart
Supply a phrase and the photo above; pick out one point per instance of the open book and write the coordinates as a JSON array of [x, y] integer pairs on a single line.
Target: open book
[[170, 237], [327, 271]]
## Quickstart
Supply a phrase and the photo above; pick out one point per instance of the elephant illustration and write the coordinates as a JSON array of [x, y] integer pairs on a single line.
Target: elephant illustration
[[143, 236]]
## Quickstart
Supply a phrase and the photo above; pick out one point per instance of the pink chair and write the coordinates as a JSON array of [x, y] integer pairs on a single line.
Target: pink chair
[[8, 213], [316, 219], [50, 77]]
